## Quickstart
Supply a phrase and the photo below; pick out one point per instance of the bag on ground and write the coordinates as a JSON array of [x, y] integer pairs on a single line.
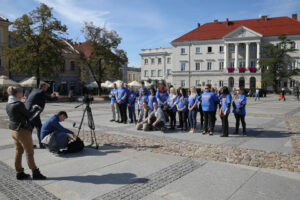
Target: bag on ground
[[75, 146]]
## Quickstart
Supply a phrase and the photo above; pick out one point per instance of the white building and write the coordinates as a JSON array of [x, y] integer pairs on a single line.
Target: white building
[[220, 53]]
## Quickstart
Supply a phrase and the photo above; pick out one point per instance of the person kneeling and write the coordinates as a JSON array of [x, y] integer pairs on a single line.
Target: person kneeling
[[54, 135], [156, 120], [143, 117]]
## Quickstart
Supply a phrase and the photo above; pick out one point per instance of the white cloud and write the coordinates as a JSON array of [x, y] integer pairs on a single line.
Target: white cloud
[[76, 13]]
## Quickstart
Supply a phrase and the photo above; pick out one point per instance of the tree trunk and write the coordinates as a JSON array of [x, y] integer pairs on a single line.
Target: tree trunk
[[99, 78]]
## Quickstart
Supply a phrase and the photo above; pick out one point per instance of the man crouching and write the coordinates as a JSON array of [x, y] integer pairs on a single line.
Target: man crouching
[[54, 135]]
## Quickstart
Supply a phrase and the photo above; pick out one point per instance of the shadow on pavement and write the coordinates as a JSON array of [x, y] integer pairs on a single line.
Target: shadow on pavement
[[117, 178]]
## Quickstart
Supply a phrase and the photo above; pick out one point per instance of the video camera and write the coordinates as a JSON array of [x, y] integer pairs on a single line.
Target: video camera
[[87, 99]]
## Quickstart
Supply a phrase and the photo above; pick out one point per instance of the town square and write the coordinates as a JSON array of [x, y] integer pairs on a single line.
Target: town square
[[144, 100]]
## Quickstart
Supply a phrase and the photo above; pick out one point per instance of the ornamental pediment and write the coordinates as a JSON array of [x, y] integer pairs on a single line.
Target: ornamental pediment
[[242, 33]]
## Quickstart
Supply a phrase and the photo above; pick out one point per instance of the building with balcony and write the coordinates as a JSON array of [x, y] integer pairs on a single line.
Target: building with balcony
[[133, 74], [222, 53]]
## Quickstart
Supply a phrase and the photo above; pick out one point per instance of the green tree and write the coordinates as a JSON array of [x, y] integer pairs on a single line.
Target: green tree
[[276, 63], [102, 58], [37, 44]]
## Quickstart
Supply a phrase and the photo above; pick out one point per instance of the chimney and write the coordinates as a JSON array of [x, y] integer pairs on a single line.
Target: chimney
[[295, 16], [227, 22], [216, 21], [264, 17], [198, 24]]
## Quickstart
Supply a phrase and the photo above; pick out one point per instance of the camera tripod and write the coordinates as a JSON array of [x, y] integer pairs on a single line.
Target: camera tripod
[[91, 124]]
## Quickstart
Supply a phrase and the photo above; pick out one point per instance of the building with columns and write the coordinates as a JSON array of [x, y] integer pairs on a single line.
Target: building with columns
[[221, 53]]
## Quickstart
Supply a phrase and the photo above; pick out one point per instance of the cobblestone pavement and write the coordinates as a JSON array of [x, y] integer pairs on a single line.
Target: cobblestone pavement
[[153, 182], [229, 154], [23, 190]]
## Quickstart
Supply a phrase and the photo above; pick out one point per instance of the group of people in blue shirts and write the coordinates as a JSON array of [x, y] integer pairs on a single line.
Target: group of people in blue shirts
[[186, 104]]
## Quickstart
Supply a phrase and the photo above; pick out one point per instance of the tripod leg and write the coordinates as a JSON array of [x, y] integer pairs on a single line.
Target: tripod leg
[[81, 122]]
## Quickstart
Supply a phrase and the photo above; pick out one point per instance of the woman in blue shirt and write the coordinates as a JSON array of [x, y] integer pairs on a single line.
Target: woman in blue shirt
[[209, 102], [162, 95], [239, 110], [143, 97], [225, 107], [182, 107], [193, 109], [152, 98], [172, 108]]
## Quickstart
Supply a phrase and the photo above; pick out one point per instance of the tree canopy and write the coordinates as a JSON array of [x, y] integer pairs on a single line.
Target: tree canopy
[[276, 63], [37, 44], [101, 57]]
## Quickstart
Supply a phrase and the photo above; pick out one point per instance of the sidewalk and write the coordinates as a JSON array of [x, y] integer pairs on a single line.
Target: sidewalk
[[150, 172]]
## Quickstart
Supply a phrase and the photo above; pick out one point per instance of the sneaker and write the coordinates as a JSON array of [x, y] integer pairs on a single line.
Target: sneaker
[[163, 129], [42, 146], [244, 134], [112, 120], [117, 121], [224, 135], [36, 175], [22, 176]]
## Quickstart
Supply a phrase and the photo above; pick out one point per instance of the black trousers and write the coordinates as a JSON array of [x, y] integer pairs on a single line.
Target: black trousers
[[172, 118], [37, 123], [209, 120], [201, 115], [239, 118], [183, 119], [225, 125], [123, 111]]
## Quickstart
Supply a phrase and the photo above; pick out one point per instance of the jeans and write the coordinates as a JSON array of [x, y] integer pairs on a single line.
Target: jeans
[[201, 115], [172, 118], [23, 141], [131, 111], [225, 125], [183, 119], [114, 108], [209, 121], [122, 108], [193, 118], [257, 97], [36, 122], [237, 124]]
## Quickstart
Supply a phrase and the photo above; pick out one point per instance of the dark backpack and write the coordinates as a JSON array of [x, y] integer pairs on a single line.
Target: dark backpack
[[75, 146]]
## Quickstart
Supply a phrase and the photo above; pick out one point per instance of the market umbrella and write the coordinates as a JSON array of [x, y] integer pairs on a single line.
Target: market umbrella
[[31, 82], [118, 82], [93, 85], [147, 84], [6, 82], [106, 84], [134, 84]]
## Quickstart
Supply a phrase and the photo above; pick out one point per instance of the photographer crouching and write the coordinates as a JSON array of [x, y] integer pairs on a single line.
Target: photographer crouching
[[19, 123], [54, 135]]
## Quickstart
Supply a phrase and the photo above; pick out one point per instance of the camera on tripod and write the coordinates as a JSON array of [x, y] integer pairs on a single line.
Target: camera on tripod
[[87, 99]]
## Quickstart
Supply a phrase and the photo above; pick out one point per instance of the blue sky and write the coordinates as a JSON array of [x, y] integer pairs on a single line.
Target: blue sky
[[149, 23]]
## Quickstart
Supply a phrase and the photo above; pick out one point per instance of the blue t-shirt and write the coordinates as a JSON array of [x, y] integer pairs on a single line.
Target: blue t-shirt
[[151, 100], [209, 100], [122, 94], [146, 91], [172, 101], [226, 100], [141, 101], [193, 99], [52, 125], [131, 98], [113, 95], [127, 92], [161, 96], [181, 102], [241, 100]]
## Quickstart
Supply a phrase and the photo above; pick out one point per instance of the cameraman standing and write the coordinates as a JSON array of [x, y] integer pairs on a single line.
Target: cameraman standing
[[38, 97], [122, 102]]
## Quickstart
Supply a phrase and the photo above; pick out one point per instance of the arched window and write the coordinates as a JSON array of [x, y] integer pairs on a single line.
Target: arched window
[[242, 82], [231, 82], [252, 83], [72, 64]]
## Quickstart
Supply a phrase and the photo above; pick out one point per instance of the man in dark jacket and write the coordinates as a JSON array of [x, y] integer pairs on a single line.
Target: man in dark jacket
[[38, 97]]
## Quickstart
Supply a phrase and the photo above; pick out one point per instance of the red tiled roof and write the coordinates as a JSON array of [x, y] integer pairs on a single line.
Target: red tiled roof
[[268, 27], [84, 48]]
